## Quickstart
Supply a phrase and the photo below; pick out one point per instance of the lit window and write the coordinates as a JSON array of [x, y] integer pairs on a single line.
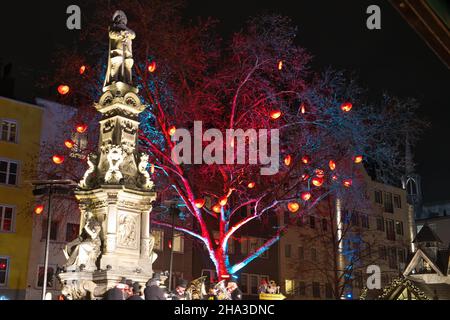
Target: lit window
[[50, 276], [8, 172], [6, 218], [178, 242], [9, 131], [4, 267], [290, 286], [159, 239]]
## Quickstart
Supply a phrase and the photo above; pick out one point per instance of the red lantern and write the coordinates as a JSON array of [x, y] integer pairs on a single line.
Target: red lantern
[[39, 209], [288, 160], [251, 185], [319, 173], [306, 159], [275, 114], [69, 143], [172, 130], [58, 159], [223, 201], [346, 106], [332, 165], [199, 203], [152, 66], [347, 183], [63, 89], [293, 206], [316, 181], [82, 69], [280, 65], [216, 208], [358, 159], [306, 195], [302, 108], [81, 128]]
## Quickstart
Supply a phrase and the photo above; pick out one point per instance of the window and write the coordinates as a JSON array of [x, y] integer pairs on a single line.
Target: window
[[251, 244], [390, 232], [302, 288], [401, 255], [53, 230], [392, 258], [388, 206], [378, 197], [244, 246], [399, 227], [9, 131], [324, 225], [382, 252], [178, 242], [380, 224], [328, 291], [4, 267], [313, 254], [159, 239], [254, 284], [244, 283], [287, 250], [301, 253], [312, 222], [355, 219], [6, 219], [316, 289], [290, 286], [365, 221], [72, 231], [50, 276], [8, 172], [397, 201]]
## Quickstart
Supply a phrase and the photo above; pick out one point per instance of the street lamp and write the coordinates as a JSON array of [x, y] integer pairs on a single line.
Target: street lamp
[[50, 187]]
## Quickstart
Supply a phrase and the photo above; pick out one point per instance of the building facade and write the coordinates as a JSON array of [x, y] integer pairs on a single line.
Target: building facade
[[19, 151], [325, 254]]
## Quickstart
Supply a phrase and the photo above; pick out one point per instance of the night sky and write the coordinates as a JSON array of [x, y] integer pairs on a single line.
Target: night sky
[[394, 59]]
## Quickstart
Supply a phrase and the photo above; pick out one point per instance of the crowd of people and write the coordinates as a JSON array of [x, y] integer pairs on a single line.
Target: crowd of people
[[155, 289]]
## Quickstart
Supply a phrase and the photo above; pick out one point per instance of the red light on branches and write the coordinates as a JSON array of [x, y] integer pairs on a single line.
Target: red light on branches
[[58, 159], [306, 159], [316, 181], [63, 89], [280, 65], [199, 203], [39, 209], [358, 159], [306, 196], [216, 208], [275, 114], [302, 108], [81, 128], [82, 69], [251, 185], [152, 66], [332, 165], [288, 160], [172, 130], [69, 143], [223, 201], [305, 177], [293, 206], [319, 173], [346, 106], [347, 183]]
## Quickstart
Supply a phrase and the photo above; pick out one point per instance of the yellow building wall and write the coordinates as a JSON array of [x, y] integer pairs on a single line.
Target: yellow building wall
[[16, 245]]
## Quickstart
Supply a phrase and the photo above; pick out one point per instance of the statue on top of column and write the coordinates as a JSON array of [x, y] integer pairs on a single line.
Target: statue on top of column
[[120, 59]]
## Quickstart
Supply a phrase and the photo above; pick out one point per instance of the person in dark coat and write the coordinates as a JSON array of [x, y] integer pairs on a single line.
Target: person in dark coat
[[137, 294], [180, 290], [119, 292], [233, 289], [153, 291]]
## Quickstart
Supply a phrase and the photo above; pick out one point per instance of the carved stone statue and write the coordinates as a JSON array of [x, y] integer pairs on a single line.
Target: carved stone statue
[[142, 168], [84, 251], [120, 59], [92, 163], [127, 231], [151, 245], [115, 158]]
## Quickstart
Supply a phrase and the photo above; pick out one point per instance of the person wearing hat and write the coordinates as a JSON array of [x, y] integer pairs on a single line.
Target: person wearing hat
[[180, 290], [153, 291], [234, 291], [136, 295]]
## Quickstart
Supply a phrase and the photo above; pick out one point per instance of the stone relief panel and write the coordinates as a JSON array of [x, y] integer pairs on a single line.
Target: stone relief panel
[[128, 231]]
